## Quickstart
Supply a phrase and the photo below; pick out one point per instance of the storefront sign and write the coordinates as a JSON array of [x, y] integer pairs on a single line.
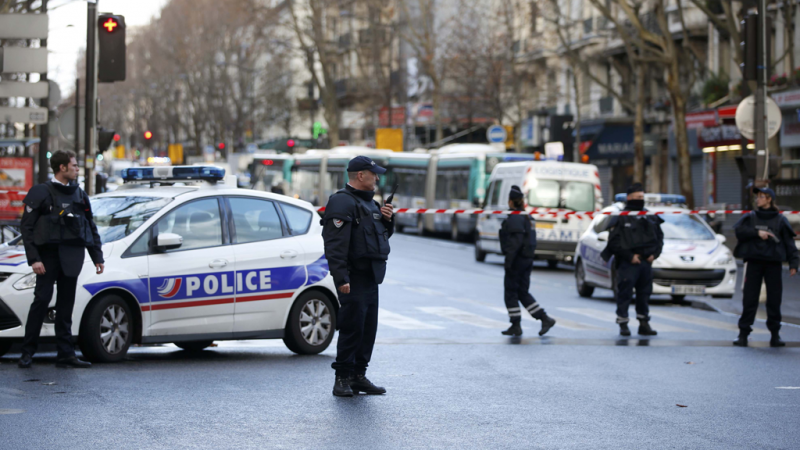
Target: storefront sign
[[790, 131], [16, 179], [721, 135], [787, 99]]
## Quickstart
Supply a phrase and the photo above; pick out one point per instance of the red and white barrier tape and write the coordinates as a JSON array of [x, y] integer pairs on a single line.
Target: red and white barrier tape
[[553, 212]]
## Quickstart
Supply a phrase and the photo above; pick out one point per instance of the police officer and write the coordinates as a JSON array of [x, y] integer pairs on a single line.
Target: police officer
[[518, 243], [356, 230], [765, 241], [635, 242], [57, 229]]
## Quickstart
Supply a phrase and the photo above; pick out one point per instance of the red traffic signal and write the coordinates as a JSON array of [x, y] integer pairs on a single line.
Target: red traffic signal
[[110, 24], [148, 135], [117, 138], [290, 143], [267, 162], [221, 146]]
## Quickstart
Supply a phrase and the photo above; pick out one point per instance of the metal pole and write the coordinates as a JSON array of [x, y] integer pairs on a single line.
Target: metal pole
[[762, 150], [91, 94], [44, 135], [77, 116]]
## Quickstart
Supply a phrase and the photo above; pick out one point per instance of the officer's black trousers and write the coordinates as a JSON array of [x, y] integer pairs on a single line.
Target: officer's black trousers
[[630, 276], [358, 325], [42, 296], [516, 282], [757, 271]]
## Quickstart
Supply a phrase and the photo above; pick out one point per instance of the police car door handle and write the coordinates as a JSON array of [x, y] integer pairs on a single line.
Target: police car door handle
[[218, 263], [289, 254]]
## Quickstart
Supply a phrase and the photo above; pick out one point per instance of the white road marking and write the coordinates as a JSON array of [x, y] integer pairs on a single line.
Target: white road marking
[[788, 387], [562, 322], [612, 317], [463, 316], [402, 322], [695, 320], [424, 291]]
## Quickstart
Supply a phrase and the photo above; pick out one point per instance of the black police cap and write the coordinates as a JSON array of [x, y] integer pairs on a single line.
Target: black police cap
[[360, 163], [515, 193]]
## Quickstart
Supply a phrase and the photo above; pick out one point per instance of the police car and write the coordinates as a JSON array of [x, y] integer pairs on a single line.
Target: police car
[[190, 259], [694, 260]]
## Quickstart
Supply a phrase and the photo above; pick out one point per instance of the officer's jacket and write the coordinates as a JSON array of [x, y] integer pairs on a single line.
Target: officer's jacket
[[356, 235], [628, 237], [517, 237], [751, 247], [68, 223]]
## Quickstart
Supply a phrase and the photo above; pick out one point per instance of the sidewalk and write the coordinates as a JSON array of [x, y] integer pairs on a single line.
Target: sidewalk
[[790, 306]]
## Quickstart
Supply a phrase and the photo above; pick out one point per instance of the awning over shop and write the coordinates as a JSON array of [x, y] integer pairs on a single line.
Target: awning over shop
[[607, 140]]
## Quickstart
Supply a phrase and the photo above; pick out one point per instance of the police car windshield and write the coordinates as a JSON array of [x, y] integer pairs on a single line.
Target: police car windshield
[[117, 217], [685, 227]]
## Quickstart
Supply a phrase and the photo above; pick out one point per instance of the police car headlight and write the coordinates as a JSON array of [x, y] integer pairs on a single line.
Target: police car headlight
[[724, 260], [26, 282]]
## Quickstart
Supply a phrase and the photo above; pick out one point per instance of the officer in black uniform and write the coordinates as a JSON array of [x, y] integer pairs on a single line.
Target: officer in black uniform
[[518, 243], [356, 230], [57, 229], [635, 242], [765, 241]]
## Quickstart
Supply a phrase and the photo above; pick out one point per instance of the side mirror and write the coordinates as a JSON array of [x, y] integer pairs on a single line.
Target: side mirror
[[168, 241], [721, 238], [602, 236]]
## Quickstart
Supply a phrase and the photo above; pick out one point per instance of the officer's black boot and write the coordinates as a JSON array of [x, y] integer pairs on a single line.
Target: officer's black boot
[[360, 383], [741, 341], [25, 361], [624, 330], [644, 328], [547, 323], [514, 330], [341, 388], [776, 340]]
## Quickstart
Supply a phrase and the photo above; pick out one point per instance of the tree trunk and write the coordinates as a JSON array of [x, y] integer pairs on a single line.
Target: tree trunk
[[332, 117], [682, 145], [638, 127], [576, 149], [437, 113]]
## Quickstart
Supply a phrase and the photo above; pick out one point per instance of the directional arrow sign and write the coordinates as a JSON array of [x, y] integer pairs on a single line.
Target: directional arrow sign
[[22, 89], [21, 59], [23, 115]]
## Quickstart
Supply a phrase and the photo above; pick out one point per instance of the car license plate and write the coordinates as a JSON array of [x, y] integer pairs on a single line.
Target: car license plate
[[688, 290], [544, 225]]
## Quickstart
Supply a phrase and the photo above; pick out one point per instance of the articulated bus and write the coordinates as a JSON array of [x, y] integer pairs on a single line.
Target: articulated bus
[[271, 172]]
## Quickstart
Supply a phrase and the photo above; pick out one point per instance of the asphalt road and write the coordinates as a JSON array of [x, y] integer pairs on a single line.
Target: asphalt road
[[453, 381]]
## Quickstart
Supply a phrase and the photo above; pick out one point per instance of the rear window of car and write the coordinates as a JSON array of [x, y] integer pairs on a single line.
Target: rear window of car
[[298, 219]]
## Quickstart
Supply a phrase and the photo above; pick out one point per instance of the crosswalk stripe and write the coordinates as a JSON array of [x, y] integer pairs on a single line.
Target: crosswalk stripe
[[561, 322], [402, 322], [695, 320], [463, 316], [424, 291], [609, 316]]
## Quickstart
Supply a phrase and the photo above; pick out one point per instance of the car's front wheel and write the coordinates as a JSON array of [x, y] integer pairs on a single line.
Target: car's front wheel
[[311, 324], [107, 330], [480, 255], [584, 290]]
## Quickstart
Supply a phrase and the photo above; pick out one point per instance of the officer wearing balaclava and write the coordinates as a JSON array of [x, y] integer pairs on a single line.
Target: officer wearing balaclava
[[635, 242]]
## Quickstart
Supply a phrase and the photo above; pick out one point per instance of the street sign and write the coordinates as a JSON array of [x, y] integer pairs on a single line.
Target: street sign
[[745, 113], [23, 115], [389, 138], [66, 125], [22, 89], [23, 26], [496, 134], [21, 59]]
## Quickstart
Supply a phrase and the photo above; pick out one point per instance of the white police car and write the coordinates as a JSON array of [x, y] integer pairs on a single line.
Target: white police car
[[190, 259], [694, 260]]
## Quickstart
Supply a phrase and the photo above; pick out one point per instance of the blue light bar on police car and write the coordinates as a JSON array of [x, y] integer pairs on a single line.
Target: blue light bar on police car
[[656, 198], [173, 173]]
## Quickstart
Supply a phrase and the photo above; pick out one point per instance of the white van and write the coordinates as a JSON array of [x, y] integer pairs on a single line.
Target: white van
[[546, 184]]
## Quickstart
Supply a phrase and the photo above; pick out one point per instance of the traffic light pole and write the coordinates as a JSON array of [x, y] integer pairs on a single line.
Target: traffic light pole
[[762, 149], [44, 131], [91, 94]]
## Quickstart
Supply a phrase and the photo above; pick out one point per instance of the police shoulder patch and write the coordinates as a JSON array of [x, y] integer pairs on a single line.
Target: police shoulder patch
[[338, 223]]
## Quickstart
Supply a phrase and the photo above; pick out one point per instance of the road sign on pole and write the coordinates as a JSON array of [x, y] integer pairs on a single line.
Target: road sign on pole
[[745, 113], [22, 89], [23, 26], [496, 134], [22, 59], [23, 115]]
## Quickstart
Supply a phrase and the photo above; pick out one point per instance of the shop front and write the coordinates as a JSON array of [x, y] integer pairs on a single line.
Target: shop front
[[609, 146]]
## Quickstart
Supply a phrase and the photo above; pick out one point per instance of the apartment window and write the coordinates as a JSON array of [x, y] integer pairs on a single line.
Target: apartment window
[[534, 18]]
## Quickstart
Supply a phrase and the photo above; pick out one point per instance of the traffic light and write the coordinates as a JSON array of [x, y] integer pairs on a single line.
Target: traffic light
[[117, 138], [290, 143], [104, 138], [148, 135], [751, 46], [111, 38], [221, 146]]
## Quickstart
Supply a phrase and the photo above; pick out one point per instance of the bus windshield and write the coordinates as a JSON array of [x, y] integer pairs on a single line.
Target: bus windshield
[[573, 195]]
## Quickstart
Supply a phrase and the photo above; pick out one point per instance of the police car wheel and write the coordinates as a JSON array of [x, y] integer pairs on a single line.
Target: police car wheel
[[107, 330], [480, 255], [584, 290], [194, 346], [5, 346], [312, 322]]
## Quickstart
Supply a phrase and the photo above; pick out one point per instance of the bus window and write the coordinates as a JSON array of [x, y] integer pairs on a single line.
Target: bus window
[[452, 185], [305, 184], [578, 196], [545, 194]]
